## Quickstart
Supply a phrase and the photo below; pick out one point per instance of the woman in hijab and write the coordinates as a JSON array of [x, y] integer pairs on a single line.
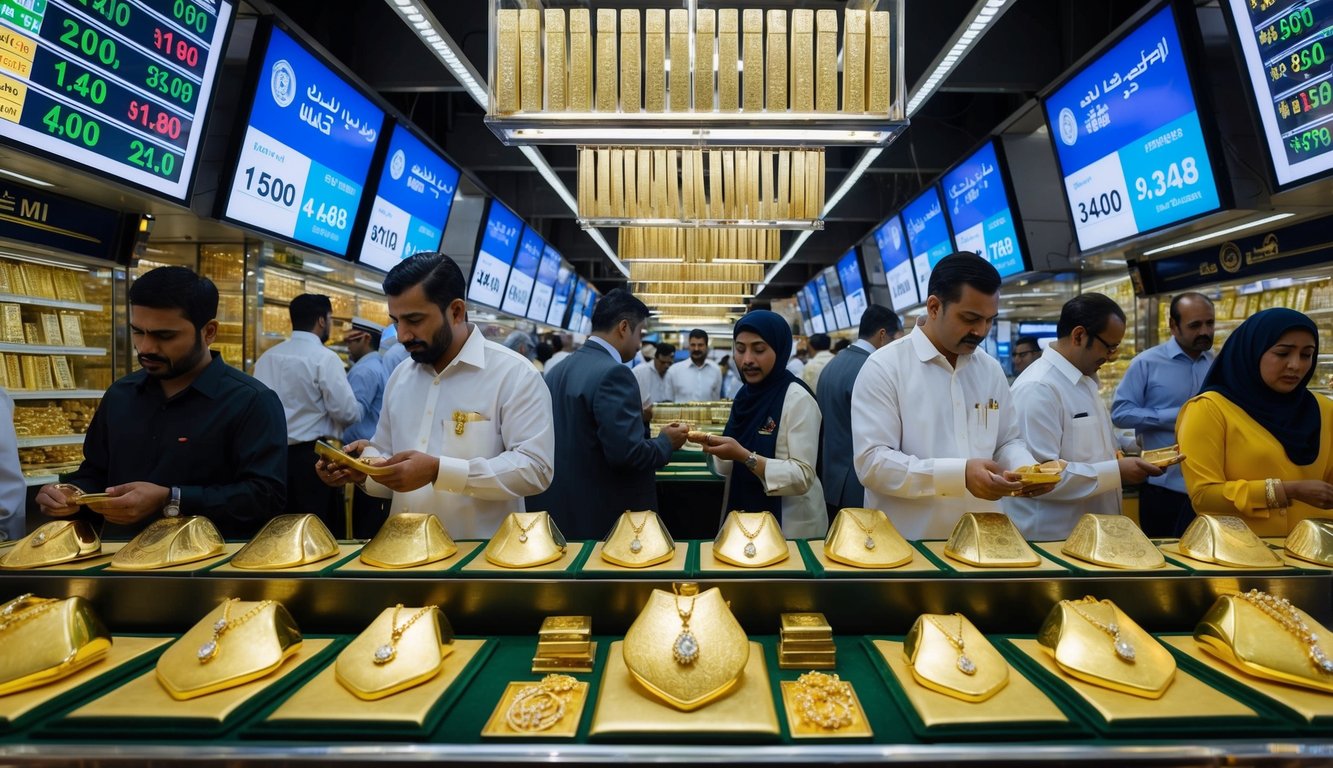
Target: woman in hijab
[[771, 444], [1256, 440]]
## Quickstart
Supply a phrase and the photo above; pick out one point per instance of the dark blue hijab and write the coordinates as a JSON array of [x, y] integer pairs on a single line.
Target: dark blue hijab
[[756, 413], [1292, 418]]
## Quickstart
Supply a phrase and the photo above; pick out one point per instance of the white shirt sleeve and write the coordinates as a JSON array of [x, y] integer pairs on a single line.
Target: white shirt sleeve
[[715, 390], [791, 471], [1041, 422], [1010, 450], [339, 398]]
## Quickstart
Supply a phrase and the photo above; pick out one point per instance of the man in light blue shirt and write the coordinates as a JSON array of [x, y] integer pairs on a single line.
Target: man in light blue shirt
[[1157, 383], [368, 378]]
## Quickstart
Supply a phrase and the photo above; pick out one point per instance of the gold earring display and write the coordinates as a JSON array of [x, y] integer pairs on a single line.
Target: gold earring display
[[825, 701], [389, 651], [1124, 650], [685, 650], [1281, 610], [964, 664], [210, 649], [539, 707], [750, 549]]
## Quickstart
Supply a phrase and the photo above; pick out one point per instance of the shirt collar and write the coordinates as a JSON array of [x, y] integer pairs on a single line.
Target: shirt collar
[[206, 383], [604, 344], [926, 351], [863, 344], [306, 336], [1062, 365], [473, 352], [1174, 350]]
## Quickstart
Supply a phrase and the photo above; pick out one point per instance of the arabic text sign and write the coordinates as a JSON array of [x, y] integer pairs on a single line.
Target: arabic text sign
[[897, 261], [490, 270], [978, 205], [412, 202], [927, 235], [524, 274]]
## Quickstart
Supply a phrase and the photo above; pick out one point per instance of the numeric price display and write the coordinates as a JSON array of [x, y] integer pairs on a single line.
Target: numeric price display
[[524, 274], [928, 237], [117, 87], [853, 289], [564, 287], [412, 201], [495, 255], [897, 261], [836, 298], [542, 292], [977, 199]]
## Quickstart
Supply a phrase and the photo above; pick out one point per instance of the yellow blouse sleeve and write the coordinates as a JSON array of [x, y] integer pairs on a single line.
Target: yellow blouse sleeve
[[1201, 430]]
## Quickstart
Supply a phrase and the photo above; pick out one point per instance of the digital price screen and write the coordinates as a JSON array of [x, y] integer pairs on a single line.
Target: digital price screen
[[1288, 56], [564, 289], [826, 303], [576, 311], [412, 202], [804, 309], [307, 150], [524, 273], [897, 261], [976, 196], [544, 290], [589, 305], [495, 254], [816, 309], [117, 87], [927, 236], [1128, 138], [853, 288], [839, 302]]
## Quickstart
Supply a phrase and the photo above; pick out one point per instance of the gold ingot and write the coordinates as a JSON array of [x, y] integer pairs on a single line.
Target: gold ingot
[[878, 64], [826, 61], [728, 59], [580, 60], [530, 59], [287, 541], [1043, 473], [854, 61], [408, 539], [1242, 635], [631, 75], [418, 655], [768, 546], [248, 651], [938, 664], [989, 540], [678, 42], [850, 544], [559, 629], [47, 641], [752, 55], [722, 647], [168, 542], [1164, 457], [1089, 653], [1311, 540], [652, 544], [526, 539], [807, 626], [59, 541], [1226, 540], [1113, 541], [557, 70], [506, 62]]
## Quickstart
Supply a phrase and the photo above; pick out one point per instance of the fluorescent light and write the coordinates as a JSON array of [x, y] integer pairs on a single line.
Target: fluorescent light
[[744, 136], [371, 284], [318, 267], [984, 14], [1218, 233], [28, 179]]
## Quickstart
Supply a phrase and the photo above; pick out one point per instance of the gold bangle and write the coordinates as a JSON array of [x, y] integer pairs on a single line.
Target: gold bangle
[[825, 701], [1270, 492]]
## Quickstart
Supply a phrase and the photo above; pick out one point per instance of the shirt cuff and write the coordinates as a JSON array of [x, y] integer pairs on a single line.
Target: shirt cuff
[[1108, 476], [950, 477], [452, 476], [192, 498]]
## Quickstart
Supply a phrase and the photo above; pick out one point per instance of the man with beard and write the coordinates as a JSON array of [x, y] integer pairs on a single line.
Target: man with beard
[[696, 379], [1157, 384], [187, 434], [466, 425], [934, 433], [318, 401]]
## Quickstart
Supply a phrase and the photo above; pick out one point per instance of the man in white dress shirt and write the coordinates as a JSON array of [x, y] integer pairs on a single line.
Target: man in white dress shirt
[[652, 378], [696, 379], [933, 431], [1062, 416], [821, 344], [466, 425], [317, 399]]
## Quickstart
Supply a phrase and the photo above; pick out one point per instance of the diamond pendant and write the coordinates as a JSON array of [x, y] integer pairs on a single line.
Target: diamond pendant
[[385, 653], [870, 542], [522, 538], [636, 546], [40, 538], [1321, 659], [751, 550], [1124, 649], [966, 665], [219, 625], [207, 651], [686, 649]]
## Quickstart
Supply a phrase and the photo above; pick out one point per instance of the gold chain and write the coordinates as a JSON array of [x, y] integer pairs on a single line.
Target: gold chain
[[956, 642], [751, 536], [1281, 610], [540, 706], [13, 616], [1123, 649], [685, 648], [638, 529], [868, 530], [525, 528], [210, 649], [825, 701], [389, 651]]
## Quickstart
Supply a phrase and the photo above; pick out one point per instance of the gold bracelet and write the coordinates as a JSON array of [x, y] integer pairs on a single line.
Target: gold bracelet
[[825, 701], [540, 706], [1270, 492]]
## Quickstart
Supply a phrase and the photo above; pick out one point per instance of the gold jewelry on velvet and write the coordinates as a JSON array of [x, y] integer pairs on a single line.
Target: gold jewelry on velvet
[[43, 640], [964, 666], [389, 657], [59, 541], [989, 540], [389, 651], [880, 547], [825, 701], [649, 647], [1113, 541], [526, 539], [538, 707], [1226, 540], [638, 546], [408, 539], [1268, 637], [258, 641], [1270, 493], [1076, 632], [1311, 540], [737, 545], [170, 541], [287, 541]]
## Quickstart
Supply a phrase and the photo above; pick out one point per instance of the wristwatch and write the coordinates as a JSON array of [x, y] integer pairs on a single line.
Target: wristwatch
[[751, 462], [173, 507]]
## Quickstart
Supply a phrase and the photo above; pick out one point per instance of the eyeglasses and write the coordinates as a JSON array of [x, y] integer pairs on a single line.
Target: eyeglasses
[[1111, 349]]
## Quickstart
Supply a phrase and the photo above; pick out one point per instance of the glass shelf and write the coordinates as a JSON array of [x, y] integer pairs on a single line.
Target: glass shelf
[[732, 129], [597, 222]]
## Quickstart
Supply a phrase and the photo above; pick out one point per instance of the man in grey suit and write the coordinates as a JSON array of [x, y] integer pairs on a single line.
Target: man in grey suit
[[603, 463], [879, 326]]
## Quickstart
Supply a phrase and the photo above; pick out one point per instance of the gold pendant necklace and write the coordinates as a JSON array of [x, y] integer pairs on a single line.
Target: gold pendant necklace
[[523, 529], [1281, 610], [685, 650], [869, 531], [636, 546], [964, 664], [750, 549], [13, 616], [389, 651], [209, 650], [1123, 648]]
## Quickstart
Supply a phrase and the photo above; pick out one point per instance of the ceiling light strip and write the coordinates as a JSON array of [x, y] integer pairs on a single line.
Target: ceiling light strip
[[1218, 233]]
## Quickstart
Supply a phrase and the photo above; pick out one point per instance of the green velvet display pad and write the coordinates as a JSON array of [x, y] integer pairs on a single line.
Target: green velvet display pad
[[138, 728], [1008, 731], [817, 569], [656, 573], [1045, 570], [262, 728], [1265, 722], [1052, 551], [568, 572]]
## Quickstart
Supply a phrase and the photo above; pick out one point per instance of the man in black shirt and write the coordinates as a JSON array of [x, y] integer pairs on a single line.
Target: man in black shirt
[[185, 435]]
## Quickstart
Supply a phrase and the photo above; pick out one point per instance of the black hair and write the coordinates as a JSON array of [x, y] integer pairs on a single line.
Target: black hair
[[878, 317], [557, 343], [374, 340], [841, 345], [962, 268], [307, 309], [819, 342], [437, 274], [665, 348], [1092, 311], [177, 288], [699, 333], [1174, 310], [544, 351], [1029, 341], [615, 306]]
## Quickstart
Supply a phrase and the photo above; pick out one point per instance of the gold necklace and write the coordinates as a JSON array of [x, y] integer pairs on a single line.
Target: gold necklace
[[750, 549], [389, 651], [964, 664], [540, 706], [209, 650], [636, 546], [14, 616], [685, 650], [1281, 610], [523, 529], [825, 701], [1123, 648], [869, 531]]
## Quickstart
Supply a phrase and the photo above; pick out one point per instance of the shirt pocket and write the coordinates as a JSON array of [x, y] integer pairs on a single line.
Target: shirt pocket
[[1085, 441], [480, 437], [984, 430]]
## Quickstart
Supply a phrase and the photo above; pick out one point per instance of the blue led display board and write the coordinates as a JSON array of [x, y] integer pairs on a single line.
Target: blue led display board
[[412, 201]]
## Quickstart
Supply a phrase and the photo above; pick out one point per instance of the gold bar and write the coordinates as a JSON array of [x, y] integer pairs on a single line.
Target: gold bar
[[742, 188], [29, 371], [631, 185], [580, 60], [565, 628], [673, 186], [643, 201], [530, 59], [557, 69], [14, 372], [784, 184], [752, 42], [777, 61], [32, 333], [631, 78], [12, 324], [587, 177], [687, 185], [607, 62], [767, 205], [819, 210], [603, 182], [878, 64], [4, 368], [714, 183], [64, 375], [654, 60], [506, 62], [729, 183], [826, 61], [680, 60], [812, 183], [752, 167], [700, 199], [660, 175], [618, 182], [854, 63], [728, 57], [705, 28], [797, 645], [797, 182], [802, 60], [51, 329]]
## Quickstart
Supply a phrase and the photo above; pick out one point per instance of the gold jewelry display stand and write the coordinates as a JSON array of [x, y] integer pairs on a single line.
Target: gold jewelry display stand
[[170, 542], [965, 666], [1112, 541], [989, 540], [1096, 642], [865, 538], [638, 544], [1311, 540], [389, 657], [43, 640], [1226, 540], [408, 540], [1244, 636], [686, 649], [287, 541], [246, 651], [524, 540], [750, 540], [53, 543]]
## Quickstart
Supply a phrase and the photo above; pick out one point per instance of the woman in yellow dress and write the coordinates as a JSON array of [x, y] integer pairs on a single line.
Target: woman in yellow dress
[[1257, 442]]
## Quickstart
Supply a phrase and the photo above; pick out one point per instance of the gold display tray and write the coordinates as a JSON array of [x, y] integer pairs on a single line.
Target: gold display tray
[[109, 549], [1307, 703], [1047, 565], [1173, 551], [676, 563], [1053, 549], [918, 564], [228, 549], [465, 548], [480, 564], [567, 727], [344, 549], [708, 563], [123, 651], [858, 728]]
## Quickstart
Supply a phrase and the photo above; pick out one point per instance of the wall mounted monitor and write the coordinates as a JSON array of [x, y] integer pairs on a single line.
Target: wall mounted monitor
[[117, 88], [897, 261], [853, 287], [547, 273], [524, 273], [816, 308], [495, 254], [581, 290], [589, 305], [564, 290], [834, 283], [1127, 135], [981, 211], [413, 197], [830, 321], [309, 140], [928, 237]]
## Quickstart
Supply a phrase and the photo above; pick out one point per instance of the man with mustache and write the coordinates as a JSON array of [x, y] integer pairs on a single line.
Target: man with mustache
[[1157, 384], [934, 432], [466, 424], [186, 435]]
